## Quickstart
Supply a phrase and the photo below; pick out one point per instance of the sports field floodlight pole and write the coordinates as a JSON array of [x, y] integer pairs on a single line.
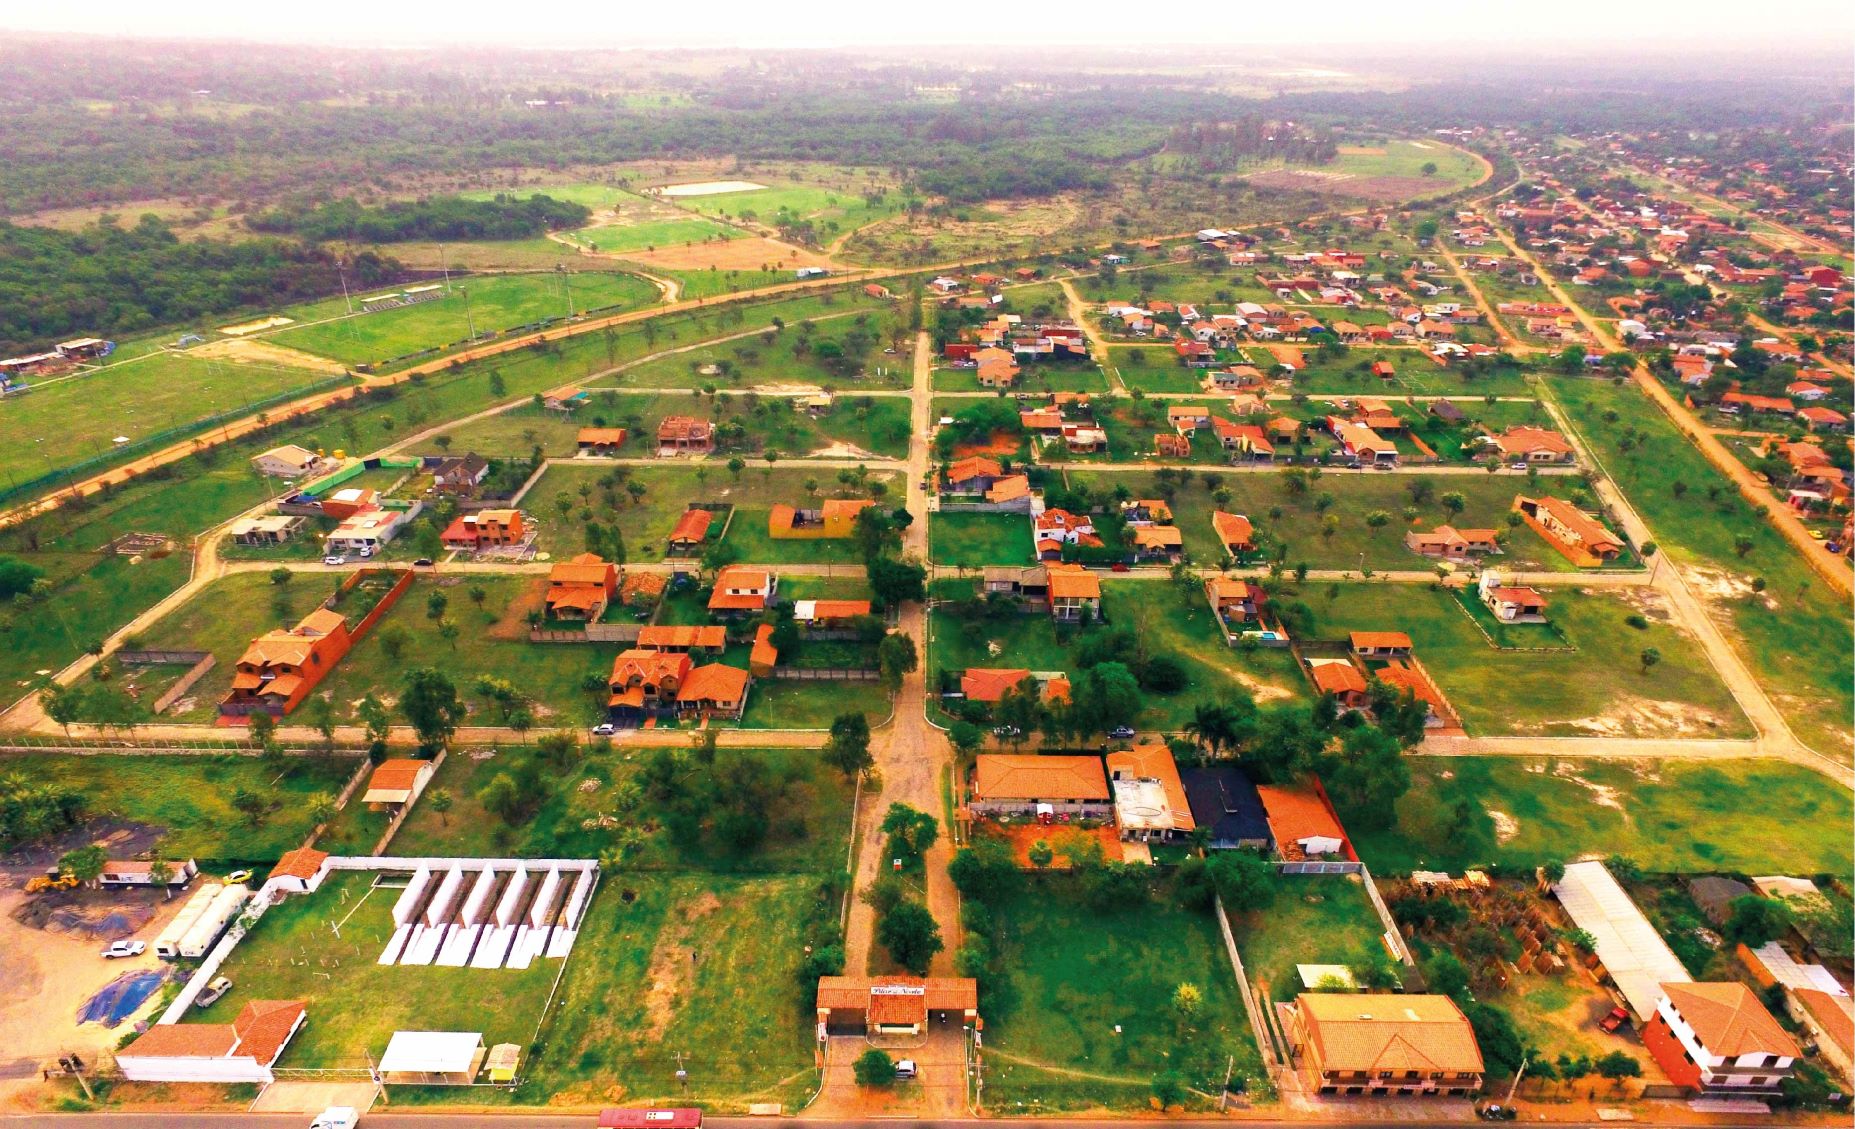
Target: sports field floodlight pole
[[341, 268], [468, 323]]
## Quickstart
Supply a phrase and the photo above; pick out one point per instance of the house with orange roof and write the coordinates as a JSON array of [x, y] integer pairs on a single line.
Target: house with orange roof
[[366, 531], [240, 1052], [743, 590], [1575, 534], [683, 639], [1235, 600], [1146, 511], [1234, 532], [1012, 492], [834, 519], [974, 474], [581, 587], [828, 615], [685, 435], [1054, 528], [1716, 1038], [644, 683], [485, 529], [1157, 543], [691, 530], [1447, 543], [1340, 680], [1362, 444], [601, 440], [990, 684], [1734, 403], [1817, 416], [1413, 681], [280, 668], [1186, 419], [1510, 603], [1074, 592], [1351, 1044], [1303, 823], [1532, 445], [299, 871], [712, 691], [995, 368], [396, 782], [902, 1006], [1829, 1021], [1149, 798], [1379, 644], [764, 656], [1031, 784]]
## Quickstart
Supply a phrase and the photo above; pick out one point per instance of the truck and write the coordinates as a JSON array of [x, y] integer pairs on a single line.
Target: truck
[[167, 942], [219, 913], [677, 1118]]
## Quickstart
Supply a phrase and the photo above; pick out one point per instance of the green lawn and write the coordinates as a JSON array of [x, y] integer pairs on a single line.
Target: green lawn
[[1794, 636], [191, 797], [1315, 919], [1669, 816], [62, 422], [1169, 621], [617, 239], [223, 619], [355, 1004], [1282, 516], [798, 704], [84, 608], [790, 356], [973, 540], [846, 200], [1598, 690], [1152, 367], [495, 302], [876, 425], [718, 283], [1073, 975]]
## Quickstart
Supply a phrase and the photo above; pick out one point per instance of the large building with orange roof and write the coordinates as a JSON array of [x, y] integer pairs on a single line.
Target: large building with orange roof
[[1385, 1044], [280, 668], [834, 519], [1578, 536], [580, 588], [1149, 797], [242, 1051], [743, 590], [1028, 784], [1303, 823], [1716, 1038], [692, 529]]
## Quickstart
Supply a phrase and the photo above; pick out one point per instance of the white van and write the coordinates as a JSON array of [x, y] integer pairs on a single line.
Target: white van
[[905, 1069]]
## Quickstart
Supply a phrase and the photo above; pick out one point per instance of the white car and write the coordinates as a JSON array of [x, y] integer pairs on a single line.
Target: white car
[[336, 1117], [604, 729], [334, 560], [213, 992], [118, 949]]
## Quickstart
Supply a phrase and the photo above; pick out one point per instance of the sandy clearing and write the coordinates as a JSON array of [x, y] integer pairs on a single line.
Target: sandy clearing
[[1506, 827], [249, 352], [750, 252], [673, 962], [257, 326], [707, 188], [841, 450]]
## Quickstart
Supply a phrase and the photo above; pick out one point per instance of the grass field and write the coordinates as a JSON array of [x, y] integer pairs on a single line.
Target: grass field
[[973, 540], [875, 425], [356, 1004], [1794, 635], [61, 422], [715, 283], [495, 302], [1081, 1017], [1071, 377], [1315, 919], [1598, 690], [1297, 521], [223, 619], [647, 522], [1668, 816], [845, 201], [616, 239], [759, 357], [191, 797]]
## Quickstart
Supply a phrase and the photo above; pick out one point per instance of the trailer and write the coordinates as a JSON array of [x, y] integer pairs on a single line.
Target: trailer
[[167, 943], [221, 912], [680, 1118]]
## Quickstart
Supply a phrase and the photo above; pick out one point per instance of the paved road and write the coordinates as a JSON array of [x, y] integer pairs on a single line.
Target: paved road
[[1426, 1113]]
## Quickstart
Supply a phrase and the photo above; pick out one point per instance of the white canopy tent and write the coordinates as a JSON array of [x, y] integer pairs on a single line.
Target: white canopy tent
[[428, 1058], [1628, 945]]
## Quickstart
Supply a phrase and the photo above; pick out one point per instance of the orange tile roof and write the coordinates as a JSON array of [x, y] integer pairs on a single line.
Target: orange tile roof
[[974, 466], [1158, 537], [716, 682], [1073, 583], [265, 1026], [844, 507], [1009, 489], [602, 436], [988, 684], [839, 609], [1009, 776], [1396, 1033], [1520, 440], [1231, 588], [939, 993], [1336, 677], [1834, 1014], [396, 775], [1232, 529], [587, 568], [1581, 524], [1361, 640], [183, 1040], [1729, 1020], [1155, 762], [303, 862], [646, 666], [322, 621], [665, 637], [764, 653], [692, 526], [1295, 814], [581, 596]]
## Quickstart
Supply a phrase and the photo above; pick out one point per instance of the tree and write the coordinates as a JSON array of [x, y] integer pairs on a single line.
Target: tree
[[1616, 1066], [262, 726], [63, 704], [435, 605], [1368, 777], [910, 832], [84, 863], [965, 737], [440, 801], [429, 701], [322, 715], [1755, 920], [896, 657], [1169, 1089], [160, 874], [848, 748], [1650, 656], [1245, 880], [1743, 545], [910, 935], [984, 872], [892, 581], [374, 716], [501, 797], [393, 640], [1445, 974], [1494, 1030], [1041, 854], [874, 1067], [1454, 502], [250, 804], [1107, 696]]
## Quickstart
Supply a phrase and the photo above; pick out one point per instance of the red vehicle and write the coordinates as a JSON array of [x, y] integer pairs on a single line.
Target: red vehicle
[[1617, 1018], [650, 1119]]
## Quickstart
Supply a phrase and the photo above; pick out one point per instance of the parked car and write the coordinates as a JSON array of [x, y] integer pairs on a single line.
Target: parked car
[[1617, 1018], [905, 1069], [1118, 566], [1517, 466], [604, 729], [422, 562], [334, 560], [1007, 731], [1493, 1112], [366, 552], [118, 949], [213, 992], [336, 1117], [239, 876], [1121, 731]]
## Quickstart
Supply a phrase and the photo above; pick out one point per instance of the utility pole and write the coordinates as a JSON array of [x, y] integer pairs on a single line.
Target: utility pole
[[682, 1075], [1518, 1075], [341, 268], [566, 278], [444, 266], [468, 323], [1223, 1096]]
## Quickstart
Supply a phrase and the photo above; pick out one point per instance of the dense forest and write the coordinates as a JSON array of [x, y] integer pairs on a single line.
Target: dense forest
[[109, 280], [443, 217], [1223, 144]]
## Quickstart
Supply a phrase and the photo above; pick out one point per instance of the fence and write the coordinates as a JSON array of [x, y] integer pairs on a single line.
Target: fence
[[380, 609], [1309, 866], [594, 633], [147, 657], [175, 692], [1384, 916], [823, 674], [1264, 1043]]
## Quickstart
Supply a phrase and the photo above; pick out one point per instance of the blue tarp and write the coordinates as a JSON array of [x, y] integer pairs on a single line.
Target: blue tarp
[[120, 997]]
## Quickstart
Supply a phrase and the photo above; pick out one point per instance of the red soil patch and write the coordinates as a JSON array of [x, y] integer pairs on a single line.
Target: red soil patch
[[1022, 835], [747, 253], [513, 623], [1000, 443]]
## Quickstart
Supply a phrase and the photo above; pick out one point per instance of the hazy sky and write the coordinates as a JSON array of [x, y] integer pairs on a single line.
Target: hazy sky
[[1616, 27]]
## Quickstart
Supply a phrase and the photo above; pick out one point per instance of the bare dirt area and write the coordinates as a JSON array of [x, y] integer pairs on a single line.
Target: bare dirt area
[[843, 451], [1643, 717], [249, 352], [1378, 189], [753, 252], [1000, 444], [673, 963], [996, 224], [513, 623]]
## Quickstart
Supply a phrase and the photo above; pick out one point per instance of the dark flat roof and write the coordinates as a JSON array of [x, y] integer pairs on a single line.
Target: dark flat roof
[[1224, 801]]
